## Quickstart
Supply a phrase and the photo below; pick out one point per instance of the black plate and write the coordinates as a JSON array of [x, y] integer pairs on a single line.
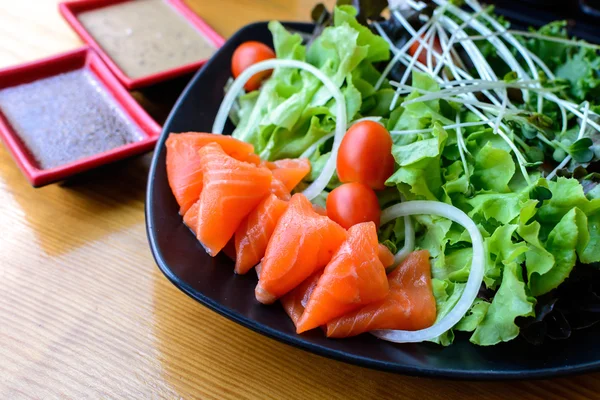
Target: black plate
[[211, 281]]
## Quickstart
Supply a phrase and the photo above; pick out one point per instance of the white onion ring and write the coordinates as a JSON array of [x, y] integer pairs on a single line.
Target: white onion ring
[[323, 179], [474, 281], [409, 242]]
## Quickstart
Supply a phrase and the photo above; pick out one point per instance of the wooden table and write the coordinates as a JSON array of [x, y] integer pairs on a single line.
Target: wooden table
[[85, 313]]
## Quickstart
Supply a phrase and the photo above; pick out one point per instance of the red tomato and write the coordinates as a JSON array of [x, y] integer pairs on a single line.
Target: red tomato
[[353, 203], [247, 54], [365, 155], [422, 58]]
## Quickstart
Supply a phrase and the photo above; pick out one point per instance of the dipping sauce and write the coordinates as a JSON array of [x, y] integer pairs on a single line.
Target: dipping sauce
[[144, 37], [66, 117]]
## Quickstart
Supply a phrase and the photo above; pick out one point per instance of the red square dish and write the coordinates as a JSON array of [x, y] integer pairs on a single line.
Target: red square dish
[[117, 98], [71, 11]]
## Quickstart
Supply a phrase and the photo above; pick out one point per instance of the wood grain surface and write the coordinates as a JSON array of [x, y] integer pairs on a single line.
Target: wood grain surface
[[85, 313]]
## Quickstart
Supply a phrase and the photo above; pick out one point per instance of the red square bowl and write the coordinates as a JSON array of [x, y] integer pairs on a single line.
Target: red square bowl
[[84, 58], [71, 9]]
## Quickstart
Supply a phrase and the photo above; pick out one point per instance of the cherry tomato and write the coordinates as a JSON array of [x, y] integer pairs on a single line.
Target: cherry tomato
[[247, 54], [365, 155], [353, 203], [422, 58]]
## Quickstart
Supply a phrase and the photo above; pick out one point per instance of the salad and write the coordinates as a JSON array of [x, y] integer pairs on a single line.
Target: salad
[[466, 148]]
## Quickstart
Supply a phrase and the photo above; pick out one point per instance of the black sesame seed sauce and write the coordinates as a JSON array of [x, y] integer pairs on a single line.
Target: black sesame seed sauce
[[66, 117]]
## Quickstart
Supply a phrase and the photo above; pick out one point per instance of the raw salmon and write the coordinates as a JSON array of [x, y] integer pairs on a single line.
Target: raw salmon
[[251, 158], [410, 304], [183, 162], [287, 174], [320, 210], [302, 243], [252, 236], [279, 190], [353, 278], [294, 302], [290, 171], [386, 256], [231, 190], [191, 220]]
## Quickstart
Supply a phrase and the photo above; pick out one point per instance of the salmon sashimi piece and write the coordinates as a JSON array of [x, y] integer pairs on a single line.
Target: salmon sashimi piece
[[290, 171], [353, 278], [191, 220], [279, 189], [410, 304], [252, 236], [303, 242], [183, 162], [320, 210], [231, 190], [252, 158], [294, 302], [386, 256]]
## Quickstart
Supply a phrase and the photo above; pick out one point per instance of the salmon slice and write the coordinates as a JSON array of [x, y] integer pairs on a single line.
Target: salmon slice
[[353, 278], [320, 210], [191, 220], [303, 242], [252, 158], [183, 162], [410, 304], [231, 190], [386, 256], [290, 171], [294, 302], [253, 235], [279, 190]]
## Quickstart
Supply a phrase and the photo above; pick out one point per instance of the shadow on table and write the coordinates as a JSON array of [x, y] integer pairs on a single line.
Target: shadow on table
[[84, 209]]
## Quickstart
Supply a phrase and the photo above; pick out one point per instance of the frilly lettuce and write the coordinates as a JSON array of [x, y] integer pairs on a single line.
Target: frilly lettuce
[[534, 234], [293, 109]]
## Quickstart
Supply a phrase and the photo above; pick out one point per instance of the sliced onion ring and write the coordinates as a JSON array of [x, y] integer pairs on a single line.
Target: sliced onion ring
[[323, 179], [419, 207]]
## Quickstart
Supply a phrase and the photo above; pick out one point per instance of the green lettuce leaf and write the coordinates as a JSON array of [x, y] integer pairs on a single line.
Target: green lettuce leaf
[[591, 252], [455, 266], [511, 301], [502, 248], [494, 168], [378, 47], [474, 316], [503, 207], [420, 115], [581, 70], [446, 295], [568, 236], [551, 53], [537, 259], [293, 109], [566, 194], [419, 174]]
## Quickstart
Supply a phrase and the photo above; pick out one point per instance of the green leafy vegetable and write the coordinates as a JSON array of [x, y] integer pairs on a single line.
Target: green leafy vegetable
[[511, 301], [474, 316], [419, 174], [293, 109], [567, 236]]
